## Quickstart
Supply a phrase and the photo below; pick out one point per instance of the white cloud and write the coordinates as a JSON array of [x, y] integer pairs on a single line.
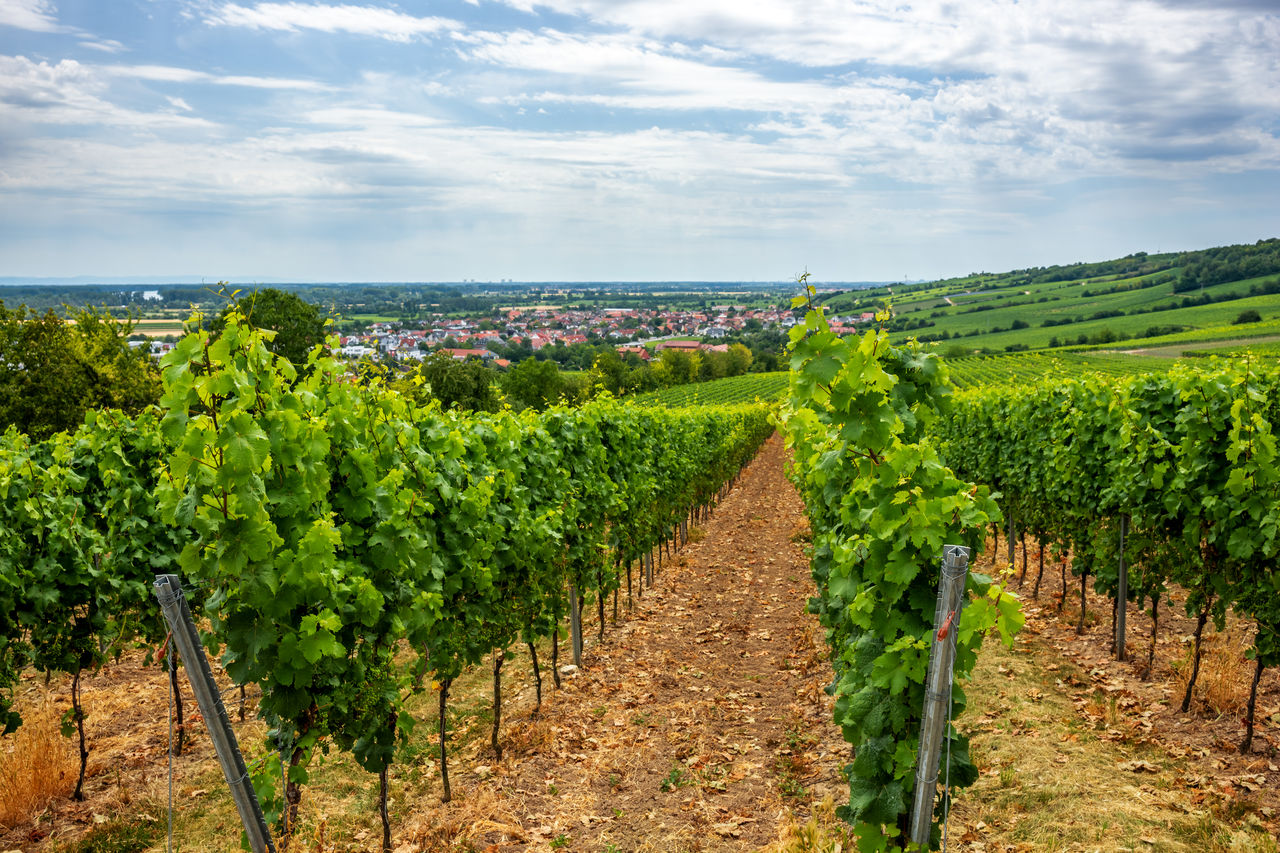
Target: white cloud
[[173, 74], [356, 20], [658, 128], [69, 93], [35, 15], [1112, 86], [104, 45]]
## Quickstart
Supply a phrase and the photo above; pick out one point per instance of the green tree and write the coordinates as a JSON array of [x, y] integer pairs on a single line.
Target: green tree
[[299, 325], [679, 366], [609, 371], [533, 384], [52, 371], [740, 359], [466, 385]]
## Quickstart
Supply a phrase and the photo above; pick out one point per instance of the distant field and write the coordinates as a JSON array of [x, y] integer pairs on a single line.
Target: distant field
[[158, 328], [374, 318], [1200, 339], [734, 389], [1264, 345], [1023, 368], [1129, 300]]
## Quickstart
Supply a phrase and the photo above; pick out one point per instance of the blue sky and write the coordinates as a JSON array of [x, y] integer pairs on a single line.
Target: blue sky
[[629, 139]]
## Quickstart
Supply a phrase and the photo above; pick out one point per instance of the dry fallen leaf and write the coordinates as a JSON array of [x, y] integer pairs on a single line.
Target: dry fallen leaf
[[1138, 766]]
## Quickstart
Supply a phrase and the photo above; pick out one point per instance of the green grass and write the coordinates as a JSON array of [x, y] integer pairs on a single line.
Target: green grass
[[124, 835], [1128, 328]]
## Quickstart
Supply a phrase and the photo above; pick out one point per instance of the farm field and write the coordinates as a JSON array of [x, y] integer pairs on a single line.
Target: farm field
[[1021, 368]]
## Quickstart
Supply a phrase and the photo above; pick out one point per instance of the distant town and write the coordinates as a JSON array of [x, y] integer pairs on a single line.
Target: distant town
[[632, 331], [404, 324]]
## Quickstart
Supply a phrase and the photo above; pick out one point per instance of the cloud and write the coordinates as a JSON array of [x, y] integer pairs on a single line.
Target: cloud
[[104, 45], [650, 128], [356, 20], [1033, 88], [69, 93], [35, 15], [172, 74]]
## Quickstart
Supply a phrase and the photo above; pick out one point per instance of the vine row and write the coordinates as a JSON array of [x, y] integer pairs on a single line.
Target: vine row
[[1180, 467], [881, 504], [348, 547]]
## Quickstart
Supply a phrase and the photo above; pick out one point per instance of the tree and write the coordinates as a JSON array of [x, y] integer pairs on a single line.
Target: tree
[[1250, 316], [299, 325], [52, 371], [739, 359], [679, 367], [609, 371], [456, 384], [533, 384]]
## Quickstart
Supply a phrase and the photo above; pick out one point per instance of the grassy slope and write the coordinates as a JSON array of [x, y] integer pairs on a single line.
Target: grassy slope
[[1012, 298], [1144, 296]]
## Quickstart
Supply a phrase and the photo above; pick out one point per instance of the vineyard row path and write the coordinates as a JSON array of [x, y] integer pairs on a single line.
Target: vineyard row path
[[699, 724]]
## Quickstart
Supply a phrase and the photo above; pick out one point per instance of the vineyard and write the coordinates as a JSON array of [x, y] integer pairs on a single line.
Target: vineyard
[[359, 560], [978, 371], [1158, 481], [734, 390], [347, 548]]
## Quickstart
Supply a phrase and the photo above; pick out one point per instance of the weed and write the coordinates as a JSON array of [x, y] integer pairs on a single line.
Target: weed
[[1008, 776], [1225, 672], [559, 841], [675, 779], [640, 719], [798, 738], [788, 770], [822, 832]]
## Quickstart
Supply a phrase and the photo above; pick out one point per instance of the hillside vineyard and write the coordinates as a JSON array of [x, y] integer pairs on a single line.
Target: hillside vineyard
[[347, 547]]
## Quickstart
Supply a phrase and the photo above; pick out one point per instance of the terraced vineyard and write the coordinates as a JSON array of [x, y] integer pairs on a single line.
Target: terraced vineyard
[[1021, 368], [717, 392]]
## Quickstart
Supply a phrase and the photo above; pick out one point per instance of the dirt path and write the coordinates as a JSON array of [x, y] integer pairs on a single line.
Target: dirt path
[[698, 724]]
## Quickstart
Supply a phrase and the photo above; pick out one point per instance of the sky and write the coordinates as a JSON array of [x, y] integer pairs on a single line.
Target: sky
[[613, 140]]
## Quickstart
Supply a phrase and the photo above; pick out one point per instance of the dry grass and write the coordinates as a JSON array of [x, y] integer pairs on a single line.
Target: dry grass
[[801, 534], [37, 765], [1047, 781], [479, 817], [1225, 672], [823, 832]]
